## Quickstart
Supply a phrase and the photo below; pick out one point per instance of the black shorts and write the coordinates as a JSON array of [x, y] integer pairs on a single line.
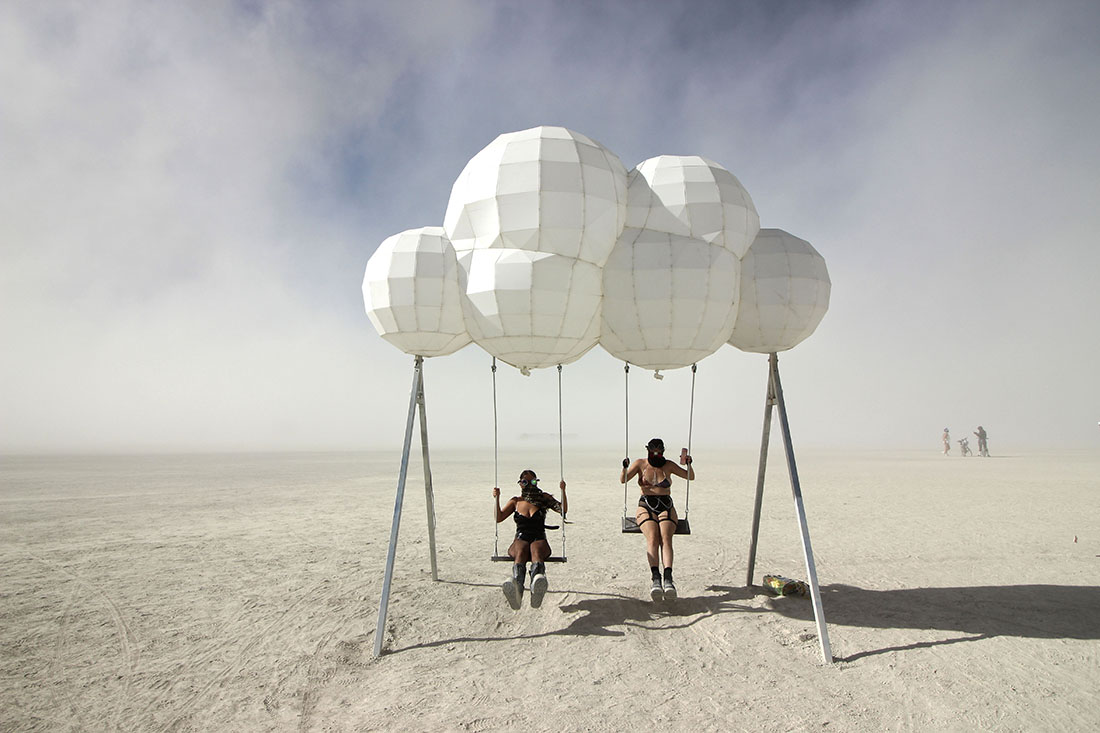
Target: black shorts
[[656, 505]]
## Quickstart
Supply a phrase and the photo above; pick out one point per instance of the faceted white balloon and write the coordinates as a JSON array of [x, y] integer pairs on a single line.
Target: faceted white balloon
[[530, 309], [547, 189], [693, 197], [411, 293], [668, 300], [784, 293]]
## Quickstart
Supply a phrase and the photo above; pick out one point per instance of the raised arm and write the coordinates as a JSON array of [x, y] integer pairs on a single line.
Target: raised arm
[[509, 507], [689, 474], [630, 470], [564, 499]]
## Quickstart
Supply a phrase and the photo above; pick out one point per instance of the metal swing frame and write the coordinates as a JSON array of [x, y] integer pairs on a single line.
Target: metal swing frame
[[775, 400], [416, 400]]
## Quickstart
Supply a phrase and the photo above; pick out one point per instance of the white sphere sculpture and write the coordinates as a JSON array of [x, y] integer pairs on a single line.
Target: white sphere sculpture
[[668, 300], [784, 293], [530, 309], [546, 189], [693, 197], [412, 294]]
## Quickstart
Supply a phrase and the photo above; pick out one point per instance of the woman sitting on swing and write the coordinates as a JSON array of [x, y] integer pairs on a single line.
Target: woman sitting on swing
[[656, 515], [530, 544]]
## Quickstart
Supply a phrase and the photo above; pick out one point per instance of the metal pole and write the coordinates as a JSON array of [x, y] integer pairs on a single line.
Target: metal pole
[[807, 550], [379, 631], [769, 401], [429, 496]]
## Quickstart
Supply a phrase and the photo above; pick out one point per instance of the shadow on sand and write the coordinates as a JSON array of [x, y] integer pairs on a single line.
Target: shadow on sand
[[601, 614], [982, 612], [1027, 611]]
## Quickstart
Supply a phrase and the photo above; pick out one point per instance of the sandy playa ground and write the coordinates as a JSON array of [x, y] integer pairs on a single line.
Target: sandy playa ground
[[241, 592]]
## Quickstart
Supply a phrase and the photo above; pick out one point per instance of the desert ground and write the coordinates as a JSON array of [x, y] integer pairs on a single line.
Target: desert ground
[[241, 593]]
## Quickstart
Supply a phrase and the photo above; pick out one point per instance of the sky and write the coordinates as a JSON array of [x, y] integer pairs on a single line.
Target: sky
[[189, 193]]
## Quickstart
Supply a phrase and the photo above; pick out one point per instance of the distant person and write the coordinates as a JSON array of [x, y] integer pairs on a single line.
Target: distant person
[[530, 544], [964, 447], [946, 441], [983, 444], [656, 515]]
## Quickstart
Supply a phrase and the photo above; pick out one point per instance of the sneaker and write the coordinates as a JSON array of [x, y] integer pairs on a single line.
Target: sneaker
[[670, 590], [539, 584], [656, 591], [513, 591]]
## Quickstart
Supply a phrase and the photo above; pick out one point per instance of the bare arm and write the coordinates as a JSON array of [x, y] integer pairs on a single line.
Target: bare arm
[[509, 507], [631, 472], [675, 469], [564, 499]]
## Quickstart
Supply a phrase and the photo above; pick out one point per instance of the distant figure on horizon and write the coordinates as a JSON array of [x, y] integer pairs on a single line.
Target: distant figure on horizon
[[964, 446], [983, 445], [946, 441], [530, 544]]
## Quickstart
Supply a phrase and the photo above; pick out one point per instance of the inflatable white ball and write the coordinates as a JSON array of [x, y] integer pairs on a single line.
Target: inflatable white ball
[[411, 293], [692, 197], [784, 293], [547, 189], [530, 309], [668, 300]]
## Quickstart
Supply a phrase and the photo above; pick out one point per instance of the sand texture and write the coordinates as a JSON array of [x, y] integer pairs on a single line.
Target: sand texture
[[240, 593]]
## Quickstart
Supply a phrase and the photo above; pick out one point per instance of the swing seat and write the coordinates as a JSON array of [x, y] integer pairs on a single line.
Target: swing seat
[[508, 558], [630, 526]]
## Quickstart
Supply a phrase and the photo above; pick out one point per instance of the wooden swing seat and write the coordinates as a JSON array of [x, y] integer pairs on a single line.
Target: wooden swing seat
[[630, 526], [508, 558]]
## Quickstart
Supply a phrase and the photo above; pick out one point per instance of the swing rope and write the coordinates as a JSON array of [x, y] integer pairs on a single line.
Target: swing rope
[[626, 422], [691, 421], [496, 476], [561, 462]]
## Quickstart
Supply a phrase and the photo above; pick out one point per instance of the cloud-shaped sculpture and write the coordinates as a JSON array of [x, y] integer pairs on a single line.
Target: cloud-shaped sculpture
[[531, 309], [548, 246], [784, 293], [411, 292], [694, 197], [668, 300], [547, 189]]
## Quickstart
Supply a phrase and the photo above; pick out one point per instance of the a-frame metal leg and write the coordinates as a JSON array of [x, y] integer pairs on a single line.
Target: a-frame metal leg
[[415, 397], [429, 497], [796, 489], [768, 404]]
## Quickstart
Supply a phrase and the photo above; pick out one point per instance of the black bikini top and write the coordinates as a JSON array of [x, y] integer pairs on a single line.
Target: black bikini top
[[667, 483]]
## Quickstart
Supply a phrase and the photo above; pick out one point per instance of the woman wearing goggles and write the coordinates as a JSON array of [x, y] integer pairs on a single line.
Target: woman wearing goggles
[[530, 545]]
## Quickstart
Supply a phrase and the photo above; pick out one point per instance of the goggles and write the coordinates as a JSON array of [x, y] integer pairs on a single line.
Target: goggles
[[528, 482]]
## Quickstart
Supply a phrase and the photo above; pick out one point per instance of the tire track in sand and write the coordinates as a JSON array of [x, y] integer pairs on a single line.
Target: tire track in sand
[[261, 636], [125, 635]]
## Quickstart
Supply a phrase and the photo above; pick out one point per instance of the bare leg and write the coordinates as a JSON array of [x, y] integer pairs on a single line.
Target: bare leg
[[520, 552], [540, 550], [652, 537], [668, 529]]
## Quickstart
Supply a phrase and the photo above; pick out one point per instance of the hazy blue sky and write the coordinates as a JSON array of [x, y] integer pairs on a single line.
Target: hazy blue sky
[[189, 193]]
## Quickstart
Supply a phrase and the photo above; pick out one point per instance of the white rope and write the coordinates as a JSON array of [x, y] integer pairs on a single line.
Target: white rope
[[691, 420], [561, 461], [626, 422], [496, 477]]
